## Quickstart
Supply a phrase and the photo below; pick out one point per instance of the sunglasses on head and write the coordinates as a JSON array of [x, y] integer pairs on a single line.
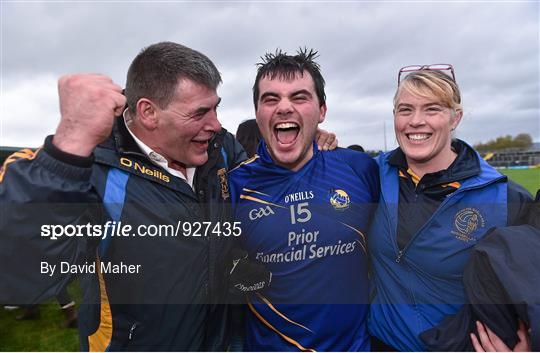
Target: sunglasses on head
[[436, 67]]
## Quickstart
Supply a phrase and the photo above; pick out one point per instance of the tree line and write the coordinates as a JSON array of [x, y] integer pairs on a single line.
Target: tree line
[[520, 141]]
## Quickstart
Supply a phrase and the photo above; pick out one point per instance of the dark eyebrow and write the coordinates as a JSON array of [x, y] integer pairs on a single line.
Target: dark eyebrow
[[204, 110], [295, 93], [268, 94], [302, 91]]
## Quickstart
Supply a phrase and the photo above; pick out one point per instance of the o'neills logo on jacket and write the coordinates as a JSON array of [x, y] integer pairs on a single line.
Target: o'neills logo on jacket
[[156, 173]]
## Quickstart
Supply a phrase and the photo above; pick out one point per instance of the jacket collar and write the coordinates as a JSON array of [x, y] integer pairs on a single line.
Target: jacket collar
[[121, 144], [266, 157], [124, 142], [466, 165]]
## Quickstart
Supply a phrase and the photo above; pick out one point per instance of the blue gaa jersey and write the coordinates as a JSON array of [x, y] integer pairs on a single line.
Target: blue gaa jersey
[[308, 227]]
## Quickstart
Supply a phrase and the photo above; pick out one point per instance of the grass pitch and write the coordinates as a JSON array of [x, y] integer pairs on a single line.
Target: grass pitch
[[528, 178], [44, 334]]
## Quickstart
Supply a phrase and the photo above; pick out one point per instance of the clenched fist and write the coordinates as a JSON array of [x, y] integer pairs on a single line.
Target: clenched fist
[[88, 105]]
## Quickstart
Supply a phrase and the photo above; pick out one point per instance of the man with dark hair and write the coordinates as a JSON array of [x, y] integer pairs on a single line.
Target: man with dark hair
[[304, 213], [163, 163], [249, 136], [154, 74], [278, 64], [356, 148]]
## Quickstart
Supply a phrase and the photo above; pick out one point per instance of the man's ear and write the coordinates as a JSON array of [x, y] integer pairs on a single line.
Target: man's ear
[[322, 116], [147, 113]]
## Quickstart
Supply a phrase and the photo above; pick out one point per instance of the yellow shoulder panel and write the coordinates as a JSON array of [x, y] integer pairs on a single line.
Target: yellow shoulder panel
[[22, 154]]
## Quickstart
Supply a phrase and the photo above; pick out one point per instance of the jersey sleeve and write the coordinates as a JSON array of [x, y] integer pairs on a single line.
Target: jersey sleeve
[[371, 177], [367, 170], [37, 193]]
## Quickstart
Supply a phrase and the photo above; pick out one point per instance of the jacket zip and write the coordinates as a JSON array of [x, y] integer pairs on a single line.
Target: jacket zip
[[400, 254], [131, 330], [394, 243], [390, 223]]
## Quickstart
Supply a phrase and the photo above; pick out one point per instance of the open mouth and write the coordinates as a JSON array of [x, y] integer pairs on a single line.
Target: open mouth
[[286, 133], [417, 137]]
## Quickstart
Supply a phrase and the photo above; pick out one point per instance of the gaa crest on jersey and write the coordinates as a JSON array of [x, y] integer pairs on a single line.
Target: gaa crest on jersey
[[466, 222], [339, 199], [261, 212]]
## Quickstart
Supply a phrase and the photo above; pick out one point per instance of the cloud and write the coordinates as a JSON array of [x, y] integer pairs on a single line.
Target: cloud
[[29, 111], [493, 46]]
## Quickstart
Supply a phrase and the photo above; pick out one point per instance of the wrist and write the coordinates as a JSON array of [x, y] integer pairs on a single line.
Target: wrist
[[68, 141], [65, 157]]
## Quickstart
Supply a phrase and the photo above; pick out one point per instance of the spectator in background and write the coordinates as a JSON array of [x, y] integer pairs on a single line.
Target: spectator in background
[[248, 135], [356, 148]]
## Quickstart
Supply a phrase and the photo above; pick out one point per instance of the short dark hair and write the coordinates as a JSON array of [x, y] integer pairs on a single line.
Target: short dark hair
[[249, 136], [284, 66], [156, 71], [356, 148]]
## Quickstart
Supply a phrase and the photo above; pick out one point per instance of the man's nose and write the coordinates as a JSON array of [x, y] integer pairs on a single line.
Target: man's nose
[[213, 124], [284, 107]]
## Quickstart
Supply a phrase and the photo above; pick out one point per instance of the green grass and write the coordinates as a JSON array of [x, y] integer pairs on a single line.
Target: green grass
[[43, 334], [528, 178]]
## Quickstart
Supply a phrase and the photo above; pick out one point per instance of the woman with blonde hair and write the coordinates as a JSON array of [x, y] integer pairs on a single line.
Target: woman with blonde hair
[[438, 198]]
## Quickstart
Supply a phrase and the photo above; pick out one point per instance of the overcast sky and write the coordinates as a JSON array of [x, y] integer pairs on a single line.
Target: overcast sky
[[494, 47]]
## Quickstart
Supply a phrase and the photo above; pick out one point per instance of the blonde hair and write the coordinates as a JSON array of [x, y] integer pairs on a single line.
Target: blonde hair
[[432, 83]]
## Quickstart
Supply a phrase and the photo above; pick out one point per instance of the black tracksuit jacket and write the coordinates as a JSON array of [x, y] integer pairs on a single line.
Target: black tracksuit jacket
[[175, 300]]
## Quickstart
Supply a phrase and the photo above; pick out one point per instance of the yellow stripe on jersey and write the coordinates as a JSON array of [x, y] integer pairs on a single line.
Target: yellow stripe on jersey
[[100, 340], [22, 154], [267, 302], [286, 338], [247, 161], [251, 198], [255, 192], [361, 235]]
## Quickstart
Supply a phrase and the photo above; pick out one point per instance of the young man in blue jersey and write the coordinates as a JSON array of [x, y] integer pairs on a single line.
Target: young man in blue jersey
[[304, 214]]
